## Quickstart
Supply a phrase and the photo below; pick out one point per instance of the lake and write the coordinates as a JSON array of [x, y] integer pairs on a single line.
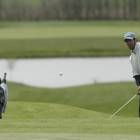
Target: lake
[[65, 72]]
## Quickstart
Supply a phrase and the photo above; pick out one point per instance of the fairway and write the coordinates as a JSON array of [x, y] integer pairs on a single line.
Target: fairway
[[66, 29], [76, 113], [50, 136], [64, 39], [67, 67], [72, 113], [56, 136]]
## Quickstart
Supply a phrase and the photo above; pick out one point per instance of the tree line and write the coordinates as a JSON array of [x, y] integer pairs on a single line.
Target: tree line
[[69, 9]]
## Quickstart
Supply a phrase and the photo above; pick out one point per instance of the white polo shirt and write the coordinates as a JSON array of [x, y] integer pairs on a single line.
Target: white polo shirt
[[135, 59]]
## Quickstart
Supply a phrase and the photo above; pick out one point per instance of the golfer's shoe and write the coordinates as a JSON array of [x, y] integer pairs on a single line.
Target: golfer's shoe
[[138, 93]]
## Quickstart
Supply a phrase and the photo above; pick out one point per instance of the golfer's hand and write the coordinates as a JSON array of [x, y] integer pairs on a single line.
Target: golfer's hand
[[138, 90]]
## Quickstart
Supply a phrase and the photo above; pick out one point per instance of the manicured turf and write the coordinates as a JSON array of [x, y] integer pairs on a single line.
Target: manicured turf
[[76, 113], [70, 113], [101, 97], [64, 39], [68, 136]]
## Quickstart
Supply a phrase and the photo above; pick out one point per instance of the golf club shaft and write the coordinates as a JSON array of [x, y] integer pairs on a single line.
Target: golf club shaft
[[124, 106]]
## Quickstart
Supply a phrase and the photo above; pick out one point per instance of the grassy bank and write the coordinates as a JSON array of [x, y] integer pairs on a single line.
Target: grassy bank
[[101, 97], [64, 39], [70, 113]]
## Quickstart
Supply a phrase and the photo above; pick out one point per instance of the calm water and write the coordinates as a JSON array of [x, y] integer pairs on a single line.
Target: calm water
[[65, 72]]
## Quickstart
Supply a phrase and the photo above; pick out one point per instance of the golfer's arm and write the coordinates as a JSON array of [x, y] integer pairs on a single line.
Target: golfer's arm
[[137, 79]]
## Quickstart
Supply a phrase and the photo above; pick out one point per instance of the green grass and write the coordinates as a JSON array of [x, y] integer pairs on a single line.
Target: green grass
[[70, 113], [76, 113], [34, 136], [86, 97], [64, 39], [68, 47]]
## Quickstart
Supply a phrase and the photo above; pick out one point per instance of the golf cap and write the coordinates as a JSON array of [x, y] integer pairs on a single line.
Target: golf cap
[[129, 36]]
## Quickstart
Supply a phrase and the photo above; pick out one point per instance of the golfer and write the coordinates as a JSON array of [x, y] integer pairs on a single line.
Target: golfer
[[3, 95], [132, 44]]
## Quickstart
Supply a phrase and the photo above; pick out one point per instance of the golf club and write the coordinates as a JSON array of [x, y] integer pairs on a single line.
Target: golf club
[[125, 105]]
